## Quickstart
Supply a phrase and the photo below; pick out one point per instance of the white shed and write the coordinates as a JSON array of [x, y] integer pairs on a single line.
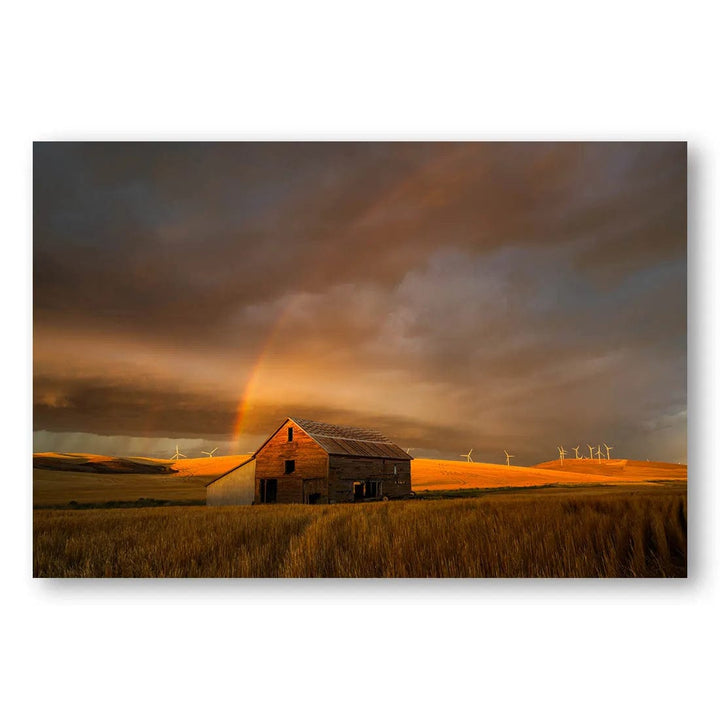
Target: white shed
[[236, 487]]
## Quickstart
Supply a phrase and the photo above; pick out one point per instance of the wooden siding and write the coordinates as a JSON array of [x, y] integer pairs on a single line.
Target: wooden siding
[[235, 488], [311, 466], [345, 471]]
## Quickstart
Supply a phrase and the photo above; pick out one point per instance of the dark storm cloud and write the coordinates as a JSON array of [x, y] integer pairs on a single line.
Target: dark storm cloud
[[131, 409], [162, 237], [191, 233], [127, 408], [507, 287]]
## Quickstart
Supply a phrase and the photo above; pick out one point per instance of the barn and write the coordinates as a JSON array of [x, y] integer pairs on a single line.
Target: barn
[[235, 487], [305, 461]]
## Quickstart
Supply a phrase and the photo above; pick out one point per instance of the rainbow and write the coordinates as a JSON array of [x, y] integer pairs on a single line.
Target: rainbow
[[245, 406]]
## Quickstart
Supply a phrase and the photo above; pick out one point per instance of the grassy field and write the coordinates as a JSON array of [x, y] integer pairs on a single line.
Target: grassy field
[[54, 487], [636, 531]]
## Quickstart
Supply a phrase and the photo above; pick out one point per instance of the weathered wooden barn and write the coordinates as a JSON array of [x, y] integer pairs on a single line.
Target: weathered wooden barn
[[305, 461]]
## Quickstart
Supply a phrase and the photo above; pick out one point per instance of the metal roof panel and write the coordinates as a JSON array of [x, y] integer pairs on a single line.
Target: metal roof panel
[[351, 441]]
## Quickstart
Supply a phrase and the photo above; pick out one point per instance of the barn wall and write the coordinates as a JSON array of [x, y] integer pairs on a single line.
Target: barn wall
[[311, 466], [344, 471], [235, 488]]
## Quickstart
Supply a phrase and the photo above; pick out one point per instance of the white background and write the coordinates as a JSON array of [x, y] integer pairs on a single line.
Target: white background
[[324, 70]]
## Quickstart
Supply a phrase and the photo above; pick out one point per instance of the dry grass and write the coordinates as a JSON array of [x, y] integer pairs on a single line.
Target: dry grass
[[61, 487], [619, 469], [640, 533], [454, 475], [55, 488]]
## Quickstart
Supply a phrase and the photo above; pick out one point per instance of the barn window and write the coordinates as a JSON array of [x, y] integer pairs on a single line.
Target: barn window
[[289, 466], [366, 489], [290, 434]]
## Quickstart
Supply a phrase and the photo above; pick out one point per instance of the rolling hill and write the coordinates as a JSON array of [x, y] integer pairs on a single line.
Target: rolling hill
[[62, 478], [454, 475], [59, 479], [103, 464], [623, 469]]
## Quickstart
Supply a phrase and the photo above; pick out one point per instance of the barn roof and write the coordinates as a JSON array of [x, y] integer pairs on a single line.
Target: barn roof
[[232, 469], [351, 441]]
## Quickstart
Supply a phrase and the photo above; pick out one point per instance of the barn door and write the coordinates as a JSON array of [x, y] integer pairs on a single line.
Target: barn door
[[271, 491], [312, 492], [268, 490]]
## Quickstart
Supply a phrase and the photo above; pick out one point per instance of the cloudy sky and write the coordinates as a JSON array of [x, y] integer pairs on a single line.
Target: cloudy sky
[[452, 295]]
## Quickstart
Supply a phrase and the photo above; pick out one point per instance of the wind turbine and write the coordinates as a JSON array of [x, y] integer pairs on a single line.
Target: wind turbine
[[562, 452], [577, 457], [507, 457], [592, 449], [177, 454], [599, 453], [468, 456], [209, 454], [608, 448]]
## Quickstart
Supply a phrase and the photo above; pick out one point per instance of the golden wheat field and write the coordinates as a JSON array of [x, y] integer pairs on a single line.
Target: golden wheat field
[[621, 532], [59, 480]]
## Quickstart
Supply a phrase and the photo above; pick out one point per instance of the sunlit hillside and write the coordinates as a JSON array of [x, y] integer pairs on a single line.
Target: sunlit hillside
[[209, 467], [624, 469], [454, 475]]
